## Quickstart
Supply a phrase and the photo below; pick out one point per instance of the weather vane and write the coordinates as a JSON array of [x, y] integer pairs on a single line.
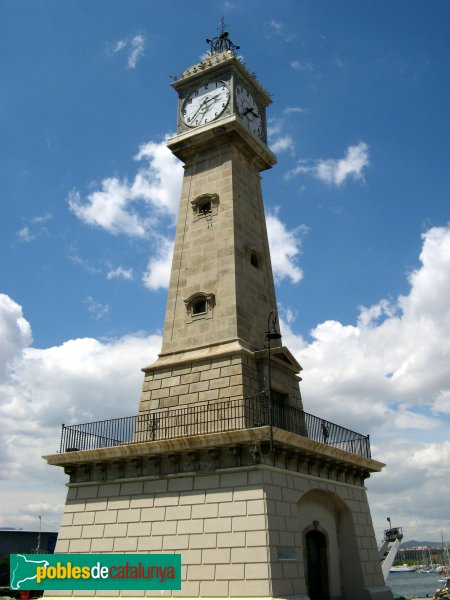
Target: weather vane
[[221, 42]]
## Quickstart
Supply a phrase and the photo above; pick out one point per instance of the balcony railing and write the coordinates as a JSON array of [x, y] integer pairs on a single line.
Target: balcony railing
[[229, 415]]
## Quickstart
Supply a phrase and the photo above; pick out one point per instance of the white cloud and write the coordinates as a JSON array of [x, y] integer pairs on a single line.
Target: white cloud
[[42, 218], [285, 246], [25, 235], [15, 332], [280, 141], [335, 171], [157, 274], [284, 142], [80, 381], [389, 375], [442, 402], [135, 47], [120, 273], [298, 65], [97, 309], [118, 46], [134, 208], [279, 29], [160, 181], [30, 232], [289, 110]]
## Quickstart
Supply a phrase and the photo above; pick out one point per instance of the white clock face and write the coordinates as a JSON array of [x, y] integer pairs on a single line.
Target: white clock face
[[249, 111], [205, 104]]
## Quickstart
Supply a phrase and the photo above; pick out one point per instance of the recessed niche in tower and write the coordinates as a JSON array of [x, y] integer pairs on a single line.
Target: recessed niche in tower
[[199, 306], [205, 205], [253, 257], [254, 260]]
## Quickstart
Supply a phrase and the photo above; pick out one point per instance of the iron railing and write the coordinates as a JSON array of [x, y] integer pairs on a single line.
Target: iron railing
[[228, 415]]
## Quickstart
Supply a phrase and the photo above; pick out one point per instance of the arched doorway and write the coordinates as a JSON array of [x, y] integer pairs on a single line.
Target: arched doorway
[[317, 565]]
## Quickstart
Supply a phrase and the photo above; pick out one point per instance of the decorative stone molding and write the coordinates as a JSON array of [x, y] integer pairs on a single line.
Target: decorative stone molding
[[100, 471], [85, 472], [192, 461], [175, 460], [155, 465], [199, 306], [118, 469], [214, 458], [205, 206], [136, 467], [255, 451], [236, 451]]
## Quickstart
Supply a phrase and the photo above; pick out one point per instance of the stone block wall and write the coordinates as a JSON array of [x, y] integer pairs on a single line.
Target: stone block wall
[[231, 528], [204, 380]]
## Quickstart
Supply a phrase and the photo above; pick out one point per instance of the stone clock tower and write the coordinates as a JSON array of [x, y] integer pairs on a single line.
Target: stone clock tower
[[221, 290], [222, 464]]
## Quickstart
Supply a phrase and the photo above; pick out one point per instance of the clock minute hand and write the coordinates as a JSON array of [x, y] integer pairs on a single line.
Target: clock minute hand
[[202, 107]]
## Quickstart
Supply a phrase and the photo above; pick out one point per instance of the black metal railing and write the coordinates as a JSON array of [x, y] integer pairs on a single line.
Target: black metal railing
[[228, 415]]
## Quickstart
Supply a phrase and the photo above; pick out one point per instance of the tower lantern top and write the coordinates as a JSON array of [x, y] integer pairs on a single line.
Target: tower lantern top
[[221, 42]]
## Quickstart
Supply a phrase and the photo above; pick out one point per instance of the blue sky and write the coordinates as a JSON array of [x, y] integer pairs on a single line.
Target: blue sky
[[357, 207]]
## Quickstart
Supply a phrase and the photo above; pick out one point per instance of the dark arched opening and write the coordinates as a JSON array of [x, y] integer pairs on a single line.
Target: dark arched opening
[[317, 565]]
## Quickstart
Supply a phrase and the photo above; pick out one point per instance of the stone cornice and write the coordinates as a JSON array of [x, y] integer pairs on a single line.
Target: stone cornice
[[257, 437]]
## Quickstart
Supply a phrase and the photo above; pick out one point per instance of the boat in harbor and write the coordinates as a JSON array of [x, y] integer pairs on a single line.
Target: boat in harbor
[[402, 569]]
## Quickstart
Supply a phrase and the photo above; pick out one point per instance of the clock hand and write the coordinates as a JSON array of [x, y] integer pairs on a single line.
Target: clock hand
[[203, 109], [203, 105], [250, 109]]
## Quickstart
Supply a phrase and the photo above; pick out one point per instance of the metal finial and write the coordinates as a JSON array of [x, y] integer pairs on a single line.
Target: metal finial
[[221, 42]]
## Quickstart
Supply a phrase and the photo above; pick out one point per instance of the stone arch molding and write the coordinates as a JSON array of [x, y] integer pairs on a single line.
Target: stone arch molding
[[205, 205], [327, 513], [199, 306]]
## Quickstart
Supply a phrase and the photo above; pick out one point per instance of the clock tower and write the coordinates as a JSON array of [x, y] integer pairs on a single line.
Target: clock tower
[[222, 465], [221, 300]]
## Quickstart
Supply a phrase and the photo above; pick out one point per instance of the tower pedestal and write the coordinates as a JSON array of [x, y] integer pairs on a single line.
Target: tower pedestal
[[248, 521]]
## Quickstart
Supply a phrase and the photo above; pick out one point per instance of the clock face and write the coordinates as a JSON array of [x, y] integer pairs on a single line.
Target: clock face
[[249, 111], [205, 104]]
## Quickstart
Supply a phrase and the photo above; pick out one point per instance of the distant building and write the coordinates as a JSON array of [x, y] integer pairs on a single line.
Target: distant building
[[422, 554], [14, 541]]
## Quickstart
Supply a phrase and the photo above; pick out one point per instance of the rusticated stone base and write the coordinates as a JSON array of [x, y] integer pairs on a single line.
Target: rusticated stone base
[[238, 513]]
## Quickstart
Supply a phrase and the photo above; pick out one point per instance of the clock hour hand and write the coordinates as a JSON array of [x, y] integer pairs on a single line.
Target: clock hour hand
[[249, 110], [200, 107], [203, 107]]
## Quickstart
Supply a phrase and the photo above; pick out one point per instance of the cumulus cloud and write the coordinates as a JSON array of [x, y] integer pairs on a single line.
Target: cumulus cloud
[[388, 375], [285, 247], [15, 332], [157, 274], [79, 381], [336, 171], [134, 207]]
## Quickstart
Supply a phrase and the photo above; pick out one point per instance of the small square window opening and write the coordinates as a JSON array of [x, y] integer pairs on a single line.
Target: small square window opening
[[199, 307]]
